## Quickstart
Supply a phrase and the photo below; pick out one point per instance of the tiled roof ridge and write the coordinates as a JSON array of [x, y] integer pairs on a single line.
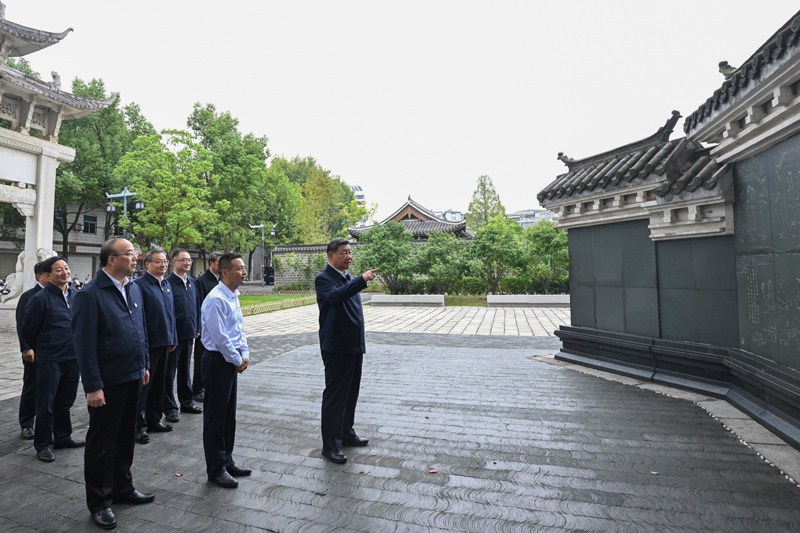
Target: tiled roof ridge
[[774, 48], [32, 34], [418, 227], [43, 88], [660, 136]]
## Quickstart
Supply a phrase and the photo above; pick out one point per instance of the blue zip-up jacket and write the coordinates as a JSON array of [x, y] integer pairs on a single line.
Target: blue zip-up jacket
[[159, 309], [21, 304], [341, 316], [110, 336], [185, 296], [47, 327]]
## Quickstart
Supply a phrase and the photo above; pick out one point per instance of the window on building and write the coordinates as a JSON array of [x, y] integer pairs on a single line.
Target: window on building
[[89, 224], [58, 221], [118, 232]]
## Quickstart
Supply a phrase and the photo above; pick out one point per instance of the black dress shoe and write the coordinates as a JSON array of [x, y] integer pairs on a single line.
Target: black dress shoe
[[191, 409], [135, 498], [159, 427], [237, 471], [70, 443], [199, 397], [224, 480], [172, 417], [27, 433], [142, 437], [334, 455], [46, 455], [355, 441], [105, 519]]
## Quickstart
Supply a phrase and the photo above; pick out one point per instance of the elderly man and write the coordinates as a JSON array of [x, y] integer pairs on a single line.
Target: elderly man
[[27, 399], [111, 344], [184, 292], [341, 339], [226, 355], [205, 282], [48, 330], [159, 312]]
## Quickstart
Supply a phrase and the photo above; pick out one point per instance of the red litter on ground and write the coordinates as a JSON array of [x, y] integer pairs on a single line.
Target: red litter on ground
[[432, 470]]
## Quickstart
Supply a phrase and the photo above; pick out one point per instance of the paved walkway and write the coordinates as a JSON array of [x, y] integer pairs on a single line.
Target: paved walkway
[[520, 442]]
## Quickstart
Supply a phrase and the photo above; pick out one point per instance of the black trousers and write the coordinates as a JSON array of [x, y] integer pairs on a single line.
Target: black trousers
[[179, 362], [339, 399], [56, 390], [219, 412], [27, 400], [197, 378], [151, 400], [109, 446]]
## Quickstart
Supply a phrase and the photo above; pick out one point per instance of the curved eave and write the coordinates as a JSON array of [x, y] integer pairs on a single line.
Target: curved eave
[[72, 105], [25, 40]]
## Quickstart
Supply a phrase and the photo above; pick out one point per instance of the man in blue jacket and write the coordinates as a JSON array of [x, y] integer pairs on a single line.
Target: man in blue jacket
[[27, 399], [159, 312], [111, 344], [184, 292], [341, 339], [47, 329]]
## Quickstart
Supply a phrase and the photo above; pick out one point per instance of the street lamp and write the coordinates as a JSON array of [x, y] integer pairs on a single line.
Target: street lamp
[[125, 194]]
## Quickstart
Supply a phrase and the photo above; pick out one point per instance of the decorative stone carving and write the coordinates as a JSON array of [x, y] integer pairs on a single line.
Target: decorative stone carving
[[14, 281], [9, 109], [2, 11], [56, 83], [38, 119], [23, 200]]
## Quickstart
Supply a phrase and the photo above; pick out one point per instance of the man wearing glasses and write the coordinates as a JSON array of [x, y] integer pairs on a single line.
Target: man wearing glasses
[[111, 345], [159, 312], [184, 292]]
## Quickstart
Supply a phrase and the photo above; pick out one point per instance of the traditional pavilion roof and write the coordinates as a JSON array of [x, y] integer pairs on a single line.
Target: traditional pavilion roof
[[783, 44], [420, 221], [19, 40], [73, 106], [670, 166]]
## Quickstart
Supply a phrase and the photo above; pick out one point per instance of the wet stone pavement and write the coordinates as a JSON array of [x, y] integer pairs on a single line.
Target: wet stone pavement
[[520, 444]]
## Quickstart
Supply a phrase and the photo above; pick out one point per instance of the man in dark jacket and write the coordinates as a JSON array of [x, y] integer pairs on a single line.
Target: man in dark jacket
[[47, 329], [27, 400], [205, 282], [159, 312], [111, 343], [341, 339], [184, 292]]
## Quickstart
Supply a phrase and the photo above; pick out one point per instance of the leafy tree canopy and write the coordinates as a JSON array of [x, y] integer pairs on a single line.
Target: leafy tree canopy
[[496, 248], [485, 204], [388, 247]]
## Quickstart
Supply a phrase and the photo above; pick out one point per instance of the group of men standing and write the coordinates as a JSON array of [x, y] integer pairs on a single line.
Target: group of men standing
[[128, 340]]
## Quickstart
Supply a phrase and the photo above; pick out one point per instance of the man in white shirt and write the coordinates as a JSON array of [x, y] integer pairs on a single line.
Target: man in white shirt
[[226, 355]]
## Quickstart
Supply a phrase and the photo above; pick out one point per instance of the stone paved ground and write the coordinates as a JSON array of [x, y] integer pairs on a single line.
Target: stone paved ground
[[520, 441]]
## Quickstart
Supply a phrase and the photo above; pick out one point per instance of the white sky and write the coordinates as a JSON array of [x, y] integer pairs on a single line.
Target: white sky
[[413, 97]]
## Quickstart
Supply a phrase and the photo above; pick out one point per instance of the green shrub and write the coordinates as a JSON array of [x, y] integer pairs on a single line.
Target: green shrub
[[470, 286], [514, 285]]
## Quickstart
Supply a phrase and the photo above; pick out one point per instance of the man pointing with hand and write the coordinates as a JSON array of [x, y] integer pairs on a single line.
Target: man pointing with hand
[[341, 339]]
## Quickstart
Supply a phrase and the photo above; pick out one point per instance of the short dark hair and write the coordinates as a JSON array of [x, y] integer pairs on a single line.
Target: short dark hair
[[148, 257], [107, 250], [213, 257], [37, 268], [335, 244], [47, 264], [176, 252], [226, 260]]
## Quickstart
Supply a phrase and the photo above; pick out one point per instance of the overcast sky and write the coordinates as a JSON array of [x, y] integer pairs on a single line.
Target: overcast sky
[[413, 98]]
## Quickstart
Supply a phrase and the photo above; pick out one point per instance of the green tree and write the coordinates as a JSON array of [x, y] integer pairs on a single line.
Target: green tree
[[21, 64], [443, 260], [496, 247], [100, 140], [328, 207], [240, 193], [545, 254], [297, 170], [388, 247], [167, 173], [485, 204]]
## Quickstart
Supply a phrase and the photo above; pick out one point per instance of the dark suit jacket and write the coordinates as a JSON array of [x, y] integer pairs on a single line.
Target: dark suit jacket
[[23, 301], [110, 337], [205, 282], [48, 325], [341, 317], [185, 296], [159, 310]]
